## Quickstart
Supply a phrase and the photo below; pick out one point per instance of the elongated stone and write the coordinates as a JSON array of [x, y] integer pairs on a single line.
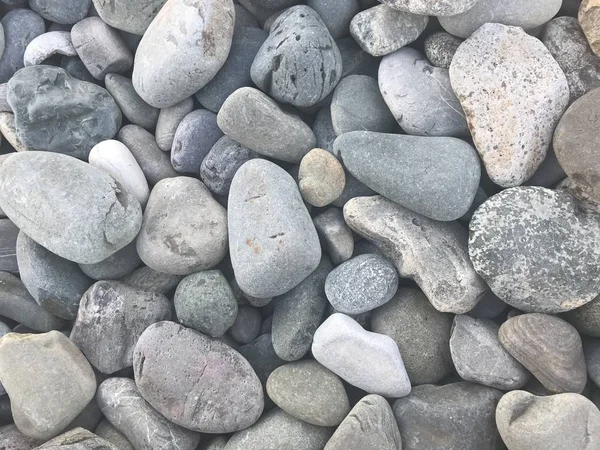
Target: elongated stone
[[8, 246], [46, 45], [168, 121]]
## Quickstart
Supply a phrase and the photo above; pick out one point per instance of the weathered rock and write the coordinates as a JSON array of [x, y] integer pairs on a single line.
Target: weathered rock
[[335, 234], [513, 93], [8, 246], [11, 438], [588, 19], [440, 48], [321, 177], [131, 16], [136, 110], [150, 280], [108, 432], [431, 8], [168, 121], [78, 439], [586, 318], [61, 11], [46, 45], [116, 266]]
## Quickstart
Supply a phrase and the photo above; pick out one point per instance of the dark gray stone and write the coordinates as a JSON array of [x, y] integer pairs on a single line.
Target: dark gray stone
[[336, 14], [355, 60], [133, 16], [322, 128], [489, 306], [150, 280], [591, 352], [586, 318], [262, 357], [78, 439], [107, 431], [136, 110], [246, 326], [8, 246], [352, 189], [61, 11], [116, 266], [440, 48], [335, 235], [549, 173]]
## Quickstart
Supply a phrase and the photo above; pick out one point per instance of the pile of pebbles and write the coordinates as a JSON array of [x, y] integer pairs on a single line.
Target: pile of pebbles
[[285, 224]]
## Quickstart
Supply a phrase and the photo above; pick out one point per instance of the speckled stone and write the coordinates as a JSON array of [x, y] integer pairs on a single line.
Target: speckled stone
[[589, 19], [440, 48], [431, 7], [61, 11]]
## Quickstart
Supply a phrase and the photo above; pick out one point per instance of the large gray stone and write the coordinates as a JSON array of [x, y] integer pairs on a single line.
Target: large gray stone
[[61, 11], [133, 16]]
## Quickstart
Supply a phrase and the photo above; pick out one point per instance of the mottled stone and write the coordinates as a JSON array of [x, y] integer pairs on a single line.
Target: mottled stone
[[589, 18], [12, 439], [586, 318], [431, 7], [127, 15], [168, 121], [61, 11], [335, 234], [440, 48], [150, 280], [321, 177], [136, 110], [46, 45]]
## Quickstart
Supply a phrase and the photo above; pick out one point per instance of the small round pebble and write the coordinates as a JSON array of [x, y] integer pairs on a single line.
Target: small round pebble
[[321, 177], [440, 48], [168, 121], [335, 234]]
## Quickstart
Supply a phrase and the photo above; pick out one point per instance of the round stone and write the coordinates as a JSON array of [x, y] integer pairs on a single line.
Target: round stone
[[321, 177], [440, 48], [588, 19]]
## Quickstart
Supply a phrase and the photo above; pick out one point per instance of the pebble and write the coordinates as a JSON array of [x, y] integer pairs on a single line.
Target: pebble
[[255, 121], [591, 352], [431, 7], [421, 332], [77, 439], [4, 106], [336, 14], [529, 422], [204, 301], [357, 105], [169, 240], [299, 63], [536, 249], [83, 203], [150, 280], [100, 47], [510, 12], [45, 45], [586, 318], [8, 245], [369, 361], [437, 177], [277, 430], [321, 177], [61, 11], [335, 234], [108, 432], [246, 326], [262, 357], [87, 113], [440, 48], [55, 283], [273, 242], [184, 47], [75, 67], [322, 128], [136, 110], [309, 392], [566, 42], [479, 356], [549, 348], [20, 26], [432, 253], [588, 19], [459, 415], [116, 266], [549, 173], [52, 367], [8, 130], [195, 136], [370, 424], [382, 30], [168, 121], [419, 95], [503, 72], [11, 438], [111, 318], [127, 15], [143, 426]]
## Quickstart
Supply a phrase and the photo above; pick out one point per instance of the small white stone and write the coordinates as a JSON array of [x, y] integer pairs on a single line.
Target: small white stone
[[48, 44]]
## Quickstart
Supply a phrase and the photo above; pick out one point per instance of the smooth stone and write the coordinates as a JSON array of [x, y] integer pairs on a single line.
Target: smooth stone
[[478, 355], [55, 283], [127, 15], [457, 415], [235, 73], [50, 365], [566, 42], [116, 266], [588, 19], [195, 136], [204, 301], [336, 14], [335, 234], [136, 110], [591, 352], [586, 318], [322, 128], [382, 30], [537, 250], [17, 304], [87, 113], [431, 7], [355, 60], [277, 430], [20, 26], [516, 13], [432, 253], [168, 121], [78, 439], [217, 443], [246, 326], [298, 313], [76, 68], [108, 432], [489, 307], [549, 348], [155, 163], [421, 333], [184, 228], [9, 132], [100, 47], [142, 425], [529, 422], [150, 280], [309, 392], [262, 357], [299, 63], [419, 95], [357, 105], [222, 162], [370, 424], [502, 72], [369, 361], [111, 318], [440, 48], [61, 11], [114, 158], [45, 194], [210, 388], [251, 118], [321, 177], [437, 177], [184, 47], [45, 45], [12, 439], [8, 246]]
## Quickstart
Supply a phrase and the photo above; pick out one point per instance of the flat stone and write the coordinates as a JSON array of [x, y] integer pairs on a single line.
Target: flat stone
[[184, 47], [421, 333], [50, 365], [61, 11], [382, 30], [335, 234], [513, 93], [369, 361], [108, 432], [588, 19], [299, 63], [78, 439], [150, 280], [529, 422], [246, 326], [437, 177], [537, 250], [8, 246], [586, 318], [131, 16], [169, 241], [11, 438], [336, 14], [273, 242], [321, 177], [143, 426], [168, 121], [549, 348], [136, 110], [459, 415], [46, 45], [116, 266], [431, 7], [440, 48], [87, 113]]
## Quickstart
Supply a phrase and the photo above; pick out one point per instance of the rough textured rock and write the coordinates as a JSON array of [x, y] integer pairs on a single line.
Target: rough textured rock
[[131, 16], [136, 110], [586, 318], [78, 439], [11, 438], [168, 121], [502, 72], [42, 96], [440, 48], [536, 249], [431, 7], [335, 234], [108, 432], [61, 11], [8, 246], [150, 280], [432, 253], [46, 45], [321, 177], [589, 19]]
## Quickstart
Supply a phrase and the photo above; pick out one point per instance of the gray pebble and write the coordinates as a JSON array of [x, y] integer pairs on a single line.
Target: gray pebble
[[11, 438], [78, 439], [335, 234], [8, 246], [61, 11], [152, 281], [168, 121], [127, 15], [440, 48], [76, 68], [431, 7], [45, 45], [246, 326], [355, 61], [136, 110], [117, 265], [108, 432], [322, 128], [586, 318], [352, 189], [591, 352], [336, 14], [321, 177], [262, 357]]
